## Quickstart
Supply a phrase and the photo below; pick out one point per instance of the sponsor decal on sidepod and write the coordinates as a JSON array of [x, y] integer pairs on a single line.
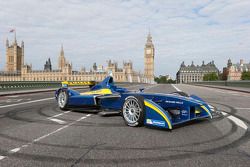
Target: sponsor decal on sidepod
[[155, 122]]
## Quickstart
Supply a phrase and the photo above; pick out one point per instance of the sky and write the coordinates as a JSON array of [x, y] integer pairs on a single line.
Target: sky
[[97, 30]]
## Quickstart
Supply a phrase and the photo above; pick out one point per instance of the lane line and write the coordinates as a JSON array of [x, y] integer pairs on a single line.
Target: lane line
[[57, 130], [12, 96], [28, 102], [57, 120], [178, 90], [59, 114], [239, 122], [15, 150], [223, 113], [239, 108], [44, 136], [2, 157], [25, 145]]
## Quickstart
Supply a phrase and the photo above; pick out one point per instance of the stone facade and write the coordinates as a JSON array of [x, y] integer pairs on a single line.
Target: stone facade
[[192, 73], [14, 56], [21, 72], [233, 71]]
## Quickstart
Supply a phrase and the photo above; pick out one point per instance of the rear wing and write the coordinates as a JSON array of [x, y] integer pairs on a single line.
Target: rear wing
[[78, 83]]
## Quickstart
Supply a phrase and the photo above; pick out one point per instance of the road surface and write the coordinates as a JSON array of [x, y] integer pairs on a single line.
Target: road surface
[[34, 132]]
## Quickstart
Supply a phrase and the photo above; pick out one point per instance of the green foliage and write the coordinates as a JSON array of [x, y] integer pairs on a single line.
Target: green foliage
[[163, 80], [210, 77], [245, 75]]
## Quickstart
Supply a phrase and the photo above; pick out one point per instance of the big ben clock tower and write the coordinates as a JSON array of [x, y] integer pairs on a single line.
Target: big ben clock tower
[[149, 53]]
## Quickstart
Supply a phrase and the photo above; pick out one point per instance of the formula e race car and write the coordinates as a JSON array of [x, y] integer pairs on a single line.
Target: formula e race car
[[136, 107]]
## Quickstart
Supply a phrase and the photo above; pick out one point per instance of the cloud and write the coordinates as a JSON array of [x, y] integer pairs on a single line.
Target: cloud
[[93, 31]]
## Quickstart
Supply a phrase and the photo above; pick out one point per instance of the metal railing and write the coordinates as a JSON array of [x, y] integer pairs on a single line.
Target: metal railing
[[29, 85], [19, 85]]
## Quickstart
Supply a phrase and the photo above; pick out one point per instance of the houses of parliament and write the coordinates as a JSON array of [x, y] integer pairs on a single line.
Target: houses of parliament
[[16, 70]]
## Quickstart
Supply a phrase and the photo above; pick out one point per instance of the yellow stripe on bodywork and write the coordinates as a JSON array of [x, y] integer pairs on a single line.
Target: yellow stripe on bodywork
[[205, 108], [98, 92], [197, 112], [78, 83], [150, 105]]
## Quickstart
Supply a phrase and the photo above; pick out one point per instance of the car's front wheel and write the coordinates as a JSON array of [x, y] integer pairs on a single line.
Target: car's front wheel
[[133, 111], [62, 99]]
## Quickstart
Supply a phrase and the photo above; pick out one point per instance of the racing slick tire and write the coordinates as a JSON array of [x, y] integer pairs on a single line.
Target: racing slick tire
[[133, 111], [62, 99]]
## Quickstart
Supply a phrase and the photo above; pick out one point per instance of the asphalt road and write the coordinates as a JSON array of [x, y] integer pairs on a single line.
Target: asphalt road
[[34, 132]]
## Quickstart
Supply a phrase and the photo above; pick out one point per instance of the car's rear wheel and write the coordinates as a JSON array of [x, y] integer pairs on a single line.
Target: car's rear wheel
[[62, 99], [133, 111]]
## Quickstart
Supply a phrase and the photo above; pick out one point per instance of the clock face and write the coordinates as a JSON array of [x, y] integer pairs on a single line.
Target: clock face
[[148, 51]]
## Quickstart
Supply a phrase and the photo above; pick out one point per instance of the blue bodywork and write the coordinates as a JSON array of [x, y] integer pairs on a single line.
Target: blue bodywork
[[161, 110]]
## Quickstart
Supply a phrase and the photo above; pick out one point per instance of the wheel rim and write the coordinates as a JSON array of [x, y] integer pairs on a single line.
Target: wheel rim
[[62, 99], [131, 111]]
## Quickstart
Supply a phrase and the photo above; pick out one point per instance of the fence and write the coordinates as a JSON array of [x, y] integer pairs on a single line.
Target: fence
[[28, 85]]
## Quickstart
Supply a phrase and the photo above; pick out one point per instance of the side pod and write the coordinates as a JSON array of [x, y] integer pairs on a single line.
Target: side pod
[[156, 116]]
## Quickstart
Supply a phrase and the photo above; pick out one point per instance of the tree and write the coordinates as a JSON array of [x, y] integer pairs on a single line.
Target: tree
[[163, 80], [210, 77], [245, 75]]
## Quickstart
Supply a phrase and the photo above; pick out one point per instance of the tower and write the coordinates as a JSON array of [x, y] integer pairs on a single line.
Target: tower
[[48, 65], [14, 56], [61, 60], [149, 53], [94, 67]]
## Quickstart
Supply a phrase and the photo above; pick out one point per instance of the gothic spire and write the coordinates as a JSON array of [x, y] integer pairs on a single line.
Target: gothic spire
[[7, 42], [62, 51], [15, 41], [149, 38]]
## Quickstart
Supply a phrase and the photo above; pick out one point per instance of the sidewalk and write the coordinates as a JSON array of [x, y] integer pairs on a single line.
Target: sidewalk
[[238, 89]]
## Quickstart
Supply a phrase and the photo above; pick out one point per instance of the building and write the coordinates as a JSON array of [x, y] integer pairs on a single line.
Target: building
[[14, 56], [192, 73], [48, 65], [233, 71], [149, 53], [16, 70]]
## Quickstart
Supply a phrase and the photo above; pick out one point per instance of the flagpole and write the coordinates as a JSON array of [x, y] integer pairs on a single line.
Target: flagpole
[[15, 34]]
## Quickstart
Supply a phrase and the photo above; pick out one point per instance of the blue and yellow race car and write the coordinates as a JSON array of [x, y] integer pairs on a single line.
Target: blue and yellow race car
[[136, 107]]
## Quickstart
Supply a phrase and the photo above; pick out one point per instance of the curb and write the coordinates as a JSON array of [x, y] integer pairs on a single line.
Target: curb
[[236, 90]]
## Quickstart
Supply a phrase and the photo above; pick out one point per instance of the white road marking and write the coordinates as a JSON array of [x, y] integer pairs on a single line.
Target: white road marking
[[57, 120], [44, 136], [28, 102], [238, 121], [223, 113], [25, 145], [239, 108], [12, 96], [177, 89], [2, 157], [15, 150], [59, 114], [51, 133]]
